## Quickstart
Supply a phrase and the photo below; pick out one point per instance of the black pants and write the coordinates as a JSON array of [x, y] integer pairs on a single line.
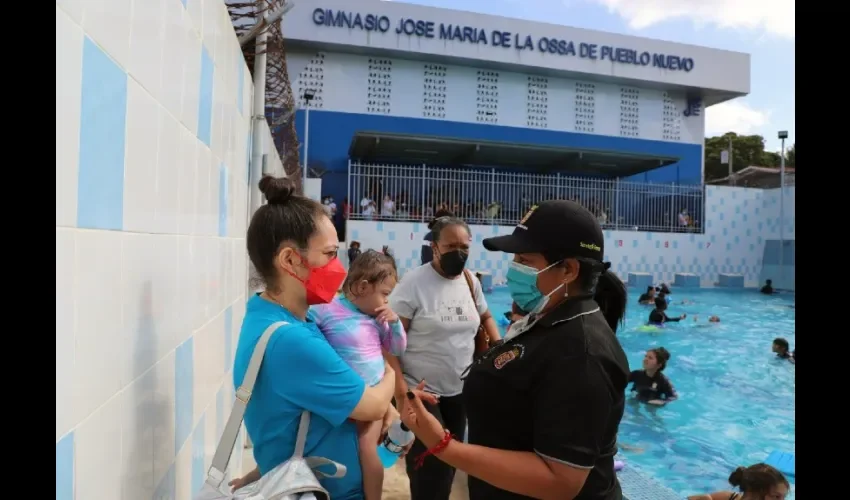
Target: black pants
[[433, 481]]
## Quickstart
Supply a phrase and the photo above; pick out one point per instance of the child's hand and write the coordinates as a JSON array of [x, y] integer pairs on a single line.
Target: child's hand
[[385, 314], [237, 483]]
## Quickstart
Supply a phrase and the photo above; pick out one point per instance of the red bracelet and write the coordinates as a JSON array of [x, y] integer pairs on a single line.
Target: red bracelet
[[435, 450]]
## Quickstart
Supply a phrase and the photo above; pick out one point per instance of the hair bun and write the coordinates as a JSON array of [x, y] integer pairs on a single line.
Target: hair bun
[[737, 476], [277, 190]]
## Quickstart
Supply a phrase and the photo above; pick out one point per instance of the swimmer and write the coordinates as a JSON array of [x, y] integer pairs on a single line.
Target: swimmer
[[658, 316], [647, 298], [663, 288], [711, 319], [756, 482], [781, 348], [767, 289], [650, 385]]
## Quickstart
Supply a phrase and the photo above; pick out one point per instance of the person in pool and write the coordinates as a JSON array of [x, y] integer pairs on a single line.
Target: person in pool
[[647, 298], [783, 350], [658, 316], [756, 482], [650, 385], [767, 289], [711, 319]]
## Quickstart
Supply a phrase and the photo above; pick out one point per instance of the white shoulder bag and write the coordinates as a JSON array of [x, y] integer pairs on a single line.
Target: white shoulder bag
[[295, 479]]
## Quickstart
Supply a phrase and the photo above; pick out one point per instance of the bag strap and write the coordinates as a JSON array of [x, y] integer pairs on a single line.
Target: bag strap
[[468, 276], [215, 474]]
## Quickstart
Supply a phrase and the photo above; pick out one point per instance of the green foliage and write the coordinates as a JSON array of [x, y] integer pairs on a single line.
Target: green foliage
[[748, 152]]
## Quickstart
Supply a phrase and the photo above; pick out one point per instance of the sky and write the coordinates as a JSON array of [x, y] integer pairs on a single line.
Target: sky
[[762, 28]]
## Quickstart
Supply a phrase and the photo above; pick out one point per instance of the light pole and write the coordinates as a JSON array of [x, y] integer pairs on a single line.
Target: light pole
[[309, 94], [783, 134]]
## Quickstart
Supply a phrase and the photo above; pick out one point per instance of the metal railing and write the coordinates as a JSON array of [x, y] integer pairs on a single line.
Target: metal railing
[[488, 196]]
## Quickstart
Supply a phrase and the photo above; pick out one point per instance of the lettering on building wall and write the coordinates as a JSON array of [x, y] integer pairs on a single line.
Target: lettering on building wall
[[497, 38], [694, 107]]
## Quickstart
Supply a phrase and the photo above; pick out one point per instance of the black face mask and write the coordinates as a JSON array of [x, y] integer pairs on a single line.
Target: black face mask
[[453, 263]]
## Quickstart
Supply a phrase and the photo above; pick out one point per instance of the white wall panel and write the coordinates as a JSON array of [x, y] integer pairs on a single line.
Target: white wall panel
[[416, 89]]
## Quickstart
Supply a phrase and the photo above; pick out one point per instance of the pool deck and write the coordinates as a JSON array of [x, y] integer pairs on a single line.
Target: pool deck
[[636, 486]]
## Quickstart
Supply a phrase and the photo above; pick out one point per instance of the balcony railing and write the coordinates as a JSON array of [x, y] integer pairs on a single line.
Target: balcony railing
[[488, 196]]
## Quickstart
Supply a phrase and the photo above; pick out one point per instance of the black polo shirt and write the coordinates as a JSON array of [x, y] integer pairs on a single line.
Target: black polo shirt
[[557, 390]]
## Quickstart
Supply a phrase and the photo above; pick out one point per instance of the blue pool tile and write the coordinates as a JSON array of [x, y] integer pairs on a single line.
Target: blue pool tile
[[205, 97], [228, 339], [103, 117], [199, 473], [222, 200], [184, 393], [65, 468]]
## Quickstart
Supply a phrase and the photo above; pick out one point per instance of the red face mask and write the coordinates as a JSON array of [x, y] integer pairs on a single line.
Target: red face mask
[[323, 282]]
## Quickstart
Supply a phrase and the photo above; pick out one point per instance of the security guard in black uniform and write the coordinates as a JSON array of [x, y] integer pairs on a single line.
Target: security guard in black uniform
[[544, 406]]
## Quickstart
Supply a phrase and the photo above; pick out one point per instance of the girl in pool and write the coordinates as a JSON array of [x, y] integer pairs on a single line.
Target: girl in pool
[[756, 482], [659, 317], [650, 385]]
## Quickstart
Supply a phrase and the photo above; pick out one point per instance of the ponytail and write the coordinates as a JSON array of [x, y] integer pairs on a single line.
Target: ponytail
[[758, 479], [611, 296]]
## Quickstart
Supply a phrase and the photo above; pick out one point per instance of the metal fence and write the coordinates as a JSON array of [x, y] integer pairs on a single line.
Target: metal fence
[[488, 196]]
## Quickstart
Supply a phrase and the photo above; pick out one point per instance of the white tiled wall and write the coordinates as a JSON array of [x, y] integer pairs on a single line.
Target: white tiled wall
[[153, 106], [738, 222]]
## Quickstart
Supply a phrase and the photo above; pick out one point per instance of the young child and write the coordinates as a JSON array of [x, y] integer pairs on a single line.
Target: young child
[[360, 325], [781, 348]]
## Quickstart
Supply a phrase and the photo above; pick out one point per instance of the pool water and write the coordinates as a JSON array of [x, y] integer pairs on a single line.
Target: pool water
[[736, 399]]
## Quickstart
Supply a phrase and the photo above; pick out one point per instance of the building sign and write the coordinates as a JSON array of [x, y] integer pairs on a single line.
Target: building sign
[[694, 107], [418, 28]]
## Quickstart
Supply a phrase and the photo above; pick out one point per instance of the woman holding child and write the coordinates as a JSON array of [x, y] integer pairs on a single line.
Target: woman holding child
[[328, 362]]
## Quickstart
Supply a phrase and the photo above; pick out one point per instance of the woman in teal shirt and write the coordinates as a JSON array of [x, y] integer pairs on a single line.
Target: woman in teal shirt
[[293, 246]]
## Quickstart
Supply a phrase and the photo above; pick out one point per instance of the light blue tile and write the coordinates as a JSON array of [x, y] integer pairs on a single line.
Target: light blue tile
[[222, 200], [184, 393], [103, 117], [240, 84], [205, 97], [228, 339], [65, 468], [199, 473], [167, 488]]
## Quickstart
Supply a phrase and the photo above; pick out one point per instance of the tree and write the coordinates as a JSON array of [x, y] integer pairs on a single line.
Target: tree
[[748, 152], [791, 156]]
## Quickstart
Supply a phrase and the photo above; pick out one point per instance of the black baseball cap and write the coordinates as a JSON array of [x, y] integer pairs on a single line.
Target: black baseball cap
[[559, 226]]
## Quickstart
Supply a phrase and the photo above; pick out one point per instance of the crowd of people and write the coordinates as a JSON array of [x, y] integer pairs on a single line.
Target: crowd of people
[[532, 415], [643, 213]]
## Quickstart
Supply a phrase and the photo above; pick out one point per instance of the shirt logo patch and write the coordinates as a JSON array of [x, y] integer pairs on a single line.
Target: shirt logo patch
[[507, 356], [655, 386]]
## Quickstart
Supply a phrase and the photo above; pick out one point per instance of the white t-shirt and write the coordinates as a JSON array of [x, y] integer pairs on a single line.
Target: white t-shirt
[[365, 202], [389, 205], [443, 325]]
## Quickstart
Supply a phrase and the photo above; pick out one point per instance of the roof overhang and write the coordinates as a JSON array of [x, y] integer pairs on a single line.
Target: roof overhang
[[381, 147]]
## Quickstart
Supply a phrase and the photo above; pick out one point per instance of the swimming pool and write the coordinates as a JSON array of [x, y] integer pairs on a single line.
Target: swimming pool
[[736, 400]]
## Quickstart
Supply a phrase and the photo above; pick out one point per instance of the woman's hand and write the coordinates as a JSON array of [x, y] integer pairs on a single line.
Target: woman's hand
[[425, 426]]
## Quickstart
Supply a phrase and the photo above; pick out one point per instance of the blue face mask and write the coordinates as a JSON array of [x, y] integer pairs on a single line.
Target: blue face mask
[[522, 283]]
